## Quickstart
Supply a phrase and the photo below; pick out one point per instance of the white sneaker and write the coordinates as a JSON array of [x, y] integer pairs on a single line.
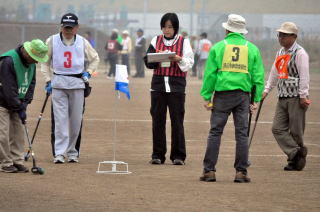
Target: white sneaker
[[73, 159], [59, 159]]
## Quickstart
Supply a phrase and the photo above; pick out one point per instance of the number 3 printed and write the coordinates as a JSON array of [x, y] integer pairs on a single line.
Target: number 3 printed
[[236, 51], [68, 63]]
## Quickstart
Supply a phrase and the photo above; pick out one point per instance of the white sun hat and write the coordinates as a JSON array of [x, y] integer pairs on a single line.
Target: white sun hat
[[235, 23]]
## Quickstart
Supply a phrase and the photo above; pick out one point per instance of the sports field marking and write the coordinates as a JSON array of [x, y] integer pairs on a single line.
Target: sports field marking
[[254, 155], [149, 120]]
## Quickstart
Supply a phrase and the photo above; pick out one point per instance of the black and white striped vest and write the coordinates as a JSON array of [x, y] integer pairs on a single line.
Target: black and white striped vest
[[290, 87]]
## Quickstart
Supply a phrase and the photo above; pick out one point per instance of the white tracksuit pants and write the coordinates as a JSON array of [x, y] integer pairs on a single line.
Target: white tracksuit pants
[[67, 109]]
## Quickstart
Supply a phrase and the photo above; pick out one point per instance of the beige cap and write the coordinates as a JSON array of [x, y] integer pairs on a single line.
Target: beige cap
[[126, 32], [235, 23], [288, 28]]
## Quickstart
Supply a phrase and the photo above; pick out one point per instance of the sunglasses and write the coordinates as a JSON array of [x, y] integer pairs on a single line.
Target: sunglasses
[[284, 35]]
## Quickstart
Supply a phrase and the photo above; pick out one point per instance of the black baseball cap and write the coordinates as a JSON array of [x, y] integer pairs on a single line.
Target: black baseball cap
[[69, 20]]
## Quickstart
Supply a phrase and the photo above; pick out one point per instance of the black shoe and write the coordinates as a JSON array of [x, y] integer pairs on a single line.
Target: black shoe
[[9, 169], [178, 162], [208, 176], [155, 161], [290, 167], [300, 158], [241, 178], [21, 168]]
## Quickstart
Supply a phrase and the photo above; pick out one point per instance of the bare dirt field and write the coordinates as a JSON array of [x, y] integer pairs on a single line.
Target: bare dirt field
[[77, 187]]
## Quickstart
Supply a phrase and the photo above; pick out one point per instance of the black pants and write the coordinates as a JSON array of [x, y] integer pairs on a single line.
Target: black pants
[[113, 60], [159, 103], [53, 128], [125, 60]]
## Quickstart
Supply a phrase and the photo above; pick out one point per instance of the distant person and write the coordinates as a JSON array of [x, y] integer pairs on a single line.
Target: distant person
[[126, 49], [203, 52], [113, 48], [66, 77], [139, 52], [119, 38], [194, 44], [89, 37], [168, 90], [290, 73], [184, 34], [234, 66], [17, 84]]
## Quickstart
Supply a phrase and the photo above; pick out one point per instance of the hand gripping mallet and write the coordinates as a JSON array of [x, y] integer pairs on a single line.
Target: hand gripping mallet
[[27, 155], [34, 169], [256, 122]]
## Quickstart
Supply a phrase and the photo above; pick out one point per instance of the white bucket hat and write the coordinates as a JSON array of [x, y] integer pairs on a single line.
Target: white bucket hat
[[288, 28], [235, 23]]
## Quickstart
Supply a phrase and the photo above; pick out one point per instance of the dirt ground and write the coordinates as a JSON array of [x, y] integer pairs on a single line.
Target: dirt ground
[[77, 187]]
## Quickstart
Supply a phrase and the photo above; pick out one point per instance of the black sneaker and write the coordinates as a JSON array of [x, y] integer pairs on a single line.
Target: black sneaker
[[155, 161], [9, 169], [300, 158], [178, 162], [290, 167], [21, 168]]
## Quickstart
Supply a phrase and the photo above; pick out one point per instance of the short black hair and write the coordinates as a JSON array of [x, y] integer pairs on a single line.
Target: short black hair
[[204, 35], [114, 36], [174, 21]]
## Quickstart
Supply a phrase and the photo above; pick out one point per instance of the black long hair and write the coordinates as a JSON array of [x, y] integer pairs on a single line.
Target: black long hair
[[174, 20]]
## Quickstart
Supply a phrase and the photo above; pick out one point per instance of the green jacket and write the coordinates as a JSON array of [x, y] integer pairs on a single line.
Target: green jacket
[[217, 80]]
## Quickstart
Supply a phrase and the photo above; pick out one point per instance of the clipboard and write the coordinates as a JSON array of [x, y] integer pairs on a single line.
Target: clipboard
[[160, 57]]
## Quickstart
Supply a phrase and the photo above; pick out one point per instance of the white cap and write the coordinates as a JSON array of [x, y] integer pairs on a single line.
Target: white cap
[[126, 32], [235, 23]]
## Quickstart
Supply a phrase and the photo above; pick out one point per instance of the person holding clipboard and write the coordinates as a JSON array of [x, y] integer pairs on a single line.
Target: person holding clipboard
[[168, 89]]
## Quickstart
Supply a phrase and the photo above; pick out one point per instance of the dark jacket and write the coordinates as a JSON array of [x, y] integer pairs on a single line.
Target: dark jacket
[[9, 86], [140, 48]]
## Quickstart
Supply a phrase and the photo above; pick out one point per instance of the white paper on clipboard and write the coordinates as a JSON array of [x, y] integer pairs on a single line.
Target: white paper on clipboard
[[160, 57]]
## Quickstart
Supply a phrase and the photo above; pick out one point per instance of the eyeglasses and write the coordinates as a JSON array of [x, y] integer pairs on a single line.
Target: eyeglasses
[[284, 35]]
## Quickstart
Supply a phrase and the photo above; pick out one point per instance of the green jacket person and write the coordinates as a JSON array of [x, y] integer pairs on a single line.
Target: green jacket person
[[233, 67], [17, 83]]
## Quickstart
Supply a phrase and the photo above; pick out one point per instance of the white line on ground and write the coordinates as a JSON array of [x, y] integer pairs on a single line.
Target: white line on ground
[[233, 141], [149, 120], [252, 155]]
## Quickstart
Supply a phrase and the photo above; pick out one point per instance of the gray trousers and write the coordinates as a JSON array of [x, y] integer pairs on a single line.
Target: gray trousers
[[139, 66], [67, 108], [12, 138], [226, 102], [200, 68], [288, 125]]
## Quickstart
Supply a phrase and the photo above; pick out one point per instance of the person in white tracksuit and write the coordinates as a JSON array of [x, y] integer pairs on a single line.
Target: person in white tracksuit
[[65, 75]]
